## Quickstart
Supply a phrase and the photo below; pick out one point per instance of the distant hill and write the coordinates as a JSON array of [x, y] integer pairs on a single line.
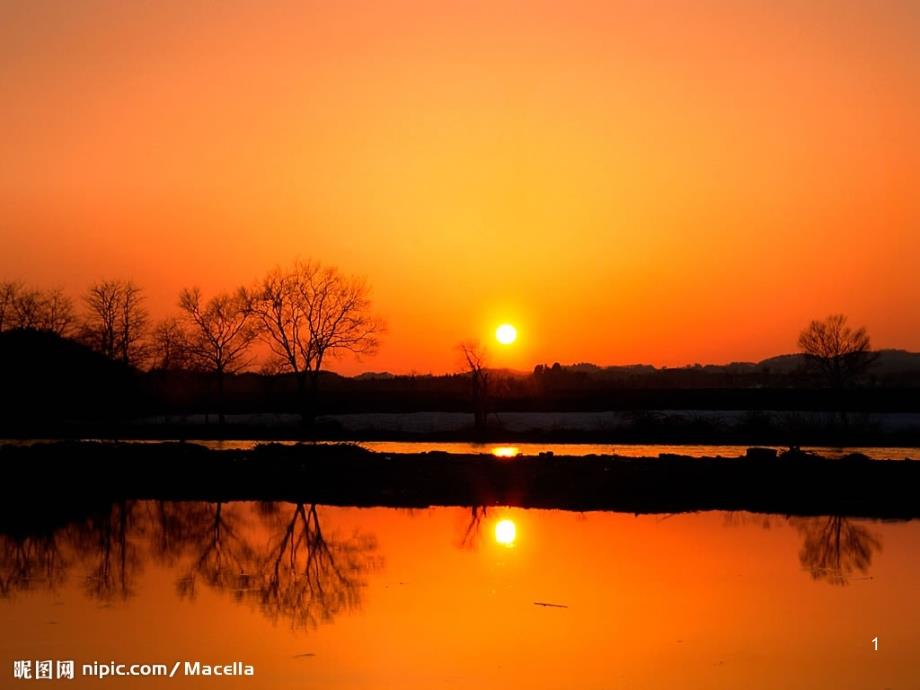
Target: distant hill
[[374, 376], [895, 361], [890, 361]]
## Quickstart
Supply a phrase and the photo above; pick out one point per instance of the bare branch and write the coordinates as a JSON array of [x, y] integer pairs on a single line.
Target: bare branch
[[170, 345], [58, 313], [9, 292], [840, 353], [221, 330], [474, 357], [116, 321], [310, 313]]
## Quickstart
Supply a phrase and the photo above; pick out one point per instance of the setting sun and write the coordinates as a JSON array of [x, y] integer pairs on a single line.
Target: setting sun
[[506, 334]]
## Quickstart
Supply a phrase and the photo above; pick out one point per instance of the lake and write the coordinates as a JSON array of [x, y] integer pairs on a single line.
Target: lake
[[323, 597], [629, 450]]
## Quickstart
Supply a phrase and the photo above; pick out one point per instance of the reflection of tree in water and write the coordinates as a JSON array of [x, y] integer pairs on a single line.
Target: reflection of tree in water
[[105, 543], [276, 556], [735, 518], [221, 554], [473, 530], [28, 562], [307, 576], [300, 573], [171, 523], [834, 548]]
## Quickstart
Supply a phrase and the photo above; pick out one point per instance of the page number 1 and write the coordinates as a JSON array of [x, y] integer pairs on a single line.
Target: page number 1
[[875, 643]]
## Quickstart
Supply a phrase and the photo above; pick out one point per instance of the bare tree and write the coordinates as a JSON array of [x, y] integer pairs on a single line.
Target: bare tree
[[474, 357], [108, 544], [169, 345], [473, 530], [57, 313], [221, 333], [308, 577], [840, 353], [116, 321], [834, 548], [132, 322], [8, 293], [310, 314], [30, 561], [223, 556], [28, 308], [100, 327]]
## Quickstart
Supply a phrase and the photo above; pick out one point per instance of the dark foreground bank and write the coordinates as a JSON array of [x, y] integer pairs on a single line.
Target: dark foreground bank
[[792, 484]]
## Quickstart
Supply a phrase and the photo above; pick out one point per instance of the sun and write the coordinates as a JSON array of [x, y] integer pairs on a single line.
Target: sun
[[506, 334]]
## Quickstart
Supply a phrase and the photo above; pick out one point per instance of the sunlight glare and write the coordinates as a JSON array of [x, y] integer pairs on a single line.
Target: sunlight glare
[[505, 532], [506, 334]]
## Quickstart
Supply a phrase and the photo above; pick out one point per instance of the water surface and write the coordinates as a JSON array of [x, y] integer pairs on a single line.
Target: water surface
[[628, 450], [322, 597]]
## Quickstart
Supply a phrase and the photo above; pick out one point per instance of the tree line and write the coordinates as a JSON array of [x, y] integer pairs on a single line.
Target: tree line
[[836, 353], [305, 315]]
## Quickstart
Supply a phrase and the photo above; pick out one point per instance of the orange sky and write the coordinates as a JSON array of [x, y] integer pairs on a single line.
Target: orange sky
[[666, 182]]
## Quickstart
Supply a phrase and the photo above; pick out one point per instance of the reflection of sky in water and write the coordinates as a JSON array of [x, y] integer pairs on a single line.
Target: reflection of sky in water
[[630, 450], [370, 598]]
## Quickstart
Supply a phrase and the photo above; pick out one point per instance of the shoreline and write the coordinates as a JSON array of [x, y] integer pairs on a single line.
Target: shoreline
[[793, 483]]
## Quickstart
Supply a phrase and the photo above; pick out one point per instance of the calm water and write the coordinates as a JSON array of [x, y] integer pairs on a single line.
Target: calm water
[[630, 450], [319, 597]]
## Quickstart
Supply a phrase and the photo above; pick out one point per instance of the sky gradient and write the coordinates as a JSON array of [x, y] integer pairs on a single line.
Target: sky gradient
[[625, 182]]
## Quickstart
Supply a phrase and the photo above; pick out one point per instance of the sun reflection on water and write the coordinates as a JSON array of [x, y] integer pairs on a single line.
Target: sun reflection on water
[[505, 532]]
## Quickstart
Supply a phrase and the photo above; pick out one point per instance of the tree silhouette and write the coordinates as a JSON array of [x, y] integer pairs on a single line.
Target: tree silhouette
[[116, 321], [30, 560], [27, 308], [106, 544], [474, 358], [273, 555], [222, 556], [169, 344], [221, 334], [312, 313], [8, 292], [834, 548], [473, 530], [57, 313], [308, 578], [172, 526], [838, 352]]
